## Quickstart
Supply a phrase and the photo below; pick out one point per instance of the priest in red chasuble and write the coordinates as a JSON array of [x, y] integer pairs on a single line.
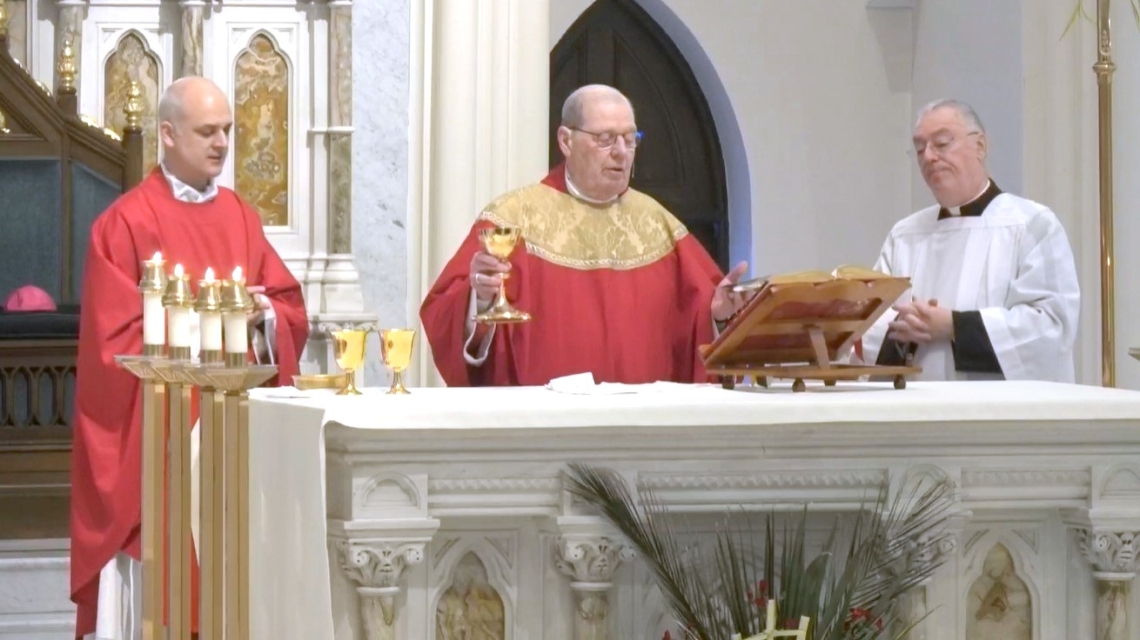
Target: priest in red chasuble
[[180, 211], [615, 283]]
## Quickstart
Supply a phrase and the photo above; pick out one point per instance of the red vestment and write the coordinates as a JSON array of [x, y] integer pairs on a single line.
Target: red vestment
[[621, 290], [107, 447]]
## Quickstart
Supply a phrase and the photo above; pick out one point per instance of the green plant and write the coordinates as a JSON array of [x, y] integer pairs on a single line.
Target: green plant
[[850, 590]]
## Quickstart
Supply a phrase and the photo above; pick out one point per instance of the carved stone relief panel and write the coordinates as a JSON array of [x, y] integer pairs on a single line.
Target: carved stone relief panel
[[999, 605], [261, 129], [133, 60], [470, 609]]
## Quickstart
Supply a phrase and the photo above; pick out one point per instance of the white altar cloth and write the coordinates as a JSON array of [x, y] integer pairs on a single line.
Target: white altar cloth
[[291, 583]]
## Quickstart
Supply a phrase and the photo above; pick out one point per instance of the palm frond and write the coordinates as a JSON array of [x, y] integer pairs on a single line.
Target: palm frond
[[850, 589]]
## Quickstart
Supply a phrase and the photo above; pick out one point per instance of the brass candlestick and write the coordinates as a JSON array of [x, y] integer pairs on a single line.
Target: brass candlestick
[[178, 300], [211, 480], [209, 307], [152, 285], [235, 304]]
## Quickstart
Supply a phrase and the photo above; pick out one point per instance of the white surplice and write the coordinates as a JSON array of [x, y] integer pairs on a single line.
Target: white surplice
[[1013, 263]]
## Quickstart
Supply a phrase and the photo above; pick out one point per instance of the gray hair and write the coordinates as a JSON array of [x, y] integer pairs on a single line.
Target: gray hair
[[964, 111], [575, 103]]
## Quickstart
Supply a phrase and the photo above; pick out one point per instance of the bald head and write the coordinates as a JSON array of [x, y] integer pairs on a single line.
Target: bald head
[[576, 104], [188, 94], [194, 125]]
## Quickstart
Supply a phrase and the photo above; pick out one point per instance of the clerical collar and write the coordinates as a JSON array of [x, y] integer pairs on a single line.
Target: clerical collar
[[581, 196], [974, 207], [185, 193]]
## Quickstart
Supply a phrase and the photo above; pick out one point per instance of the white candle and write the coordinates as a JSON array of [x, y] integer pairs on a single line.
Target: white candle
[[210, 322], [237, 328], [154, 317], [211, 329], [178, 318]]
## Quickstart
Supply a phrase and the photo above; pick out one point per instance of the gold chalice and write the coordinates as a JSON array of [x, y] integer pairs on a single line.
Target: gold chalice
[[348, 347], [396, 349], [500, 242]]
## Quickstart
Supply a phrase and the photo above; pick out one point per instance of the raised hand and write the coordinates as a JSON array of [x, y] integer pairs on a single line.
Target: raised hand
[[260, 305], [486, 275], [726, 302]]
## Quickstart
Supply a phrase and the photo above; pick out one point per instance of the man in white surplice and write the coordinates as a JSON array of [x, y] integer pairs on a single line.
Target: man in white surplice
[[994, 286]]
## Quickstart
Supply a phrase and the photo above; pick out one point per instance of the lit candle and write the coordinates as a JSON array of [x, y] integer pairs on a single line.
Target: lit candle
[[237, 328], [209, 314], [178, 310], [152, 285]]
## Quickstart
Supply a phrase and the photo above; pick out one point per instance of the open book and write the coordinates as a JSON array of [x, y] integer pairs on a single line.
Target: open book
[[842, 272], [798, 325]]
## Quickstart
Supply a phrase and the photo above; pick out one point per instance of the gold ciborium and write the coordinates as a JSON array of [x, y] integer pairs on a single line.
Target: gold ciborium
[[348, 348], [500, 242], [396, 349]]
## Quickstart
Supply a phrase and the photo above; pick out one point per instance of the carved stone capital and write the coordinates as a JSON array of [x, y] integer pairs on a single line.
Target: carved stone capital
[[1110, 552], [590, 562], [378, 565], [936, 547]]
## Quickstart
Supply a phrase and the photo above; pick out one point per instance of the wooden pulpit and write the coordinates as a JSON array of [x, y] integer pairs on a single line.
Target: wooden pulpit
[[796, 326]]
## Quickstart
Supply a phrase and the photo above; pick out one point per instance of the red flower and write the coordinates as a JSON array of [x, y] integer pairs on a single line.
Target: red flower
[[760, 597], [863, 615]]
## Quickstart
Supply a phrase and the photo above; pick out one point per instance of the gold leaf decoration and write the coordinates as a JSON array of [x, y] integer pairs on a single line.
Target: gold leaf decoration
[[133, 63], [261, 130]]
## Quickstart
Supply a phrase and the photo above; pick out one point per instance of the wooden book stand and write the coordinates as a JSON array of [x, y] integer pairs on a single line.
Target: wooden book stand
[[796, 325]]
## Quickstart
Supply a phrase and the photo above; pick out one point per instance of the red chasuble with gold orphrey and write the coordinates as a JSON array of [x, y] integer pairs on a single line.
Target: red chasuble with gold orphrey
[[621, 290], [107, 446]]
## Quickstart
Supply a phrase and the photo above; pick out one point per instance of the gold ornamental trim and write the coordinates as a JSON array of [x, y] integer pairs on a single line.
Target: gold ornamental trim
[[632, 232], [66, 67]]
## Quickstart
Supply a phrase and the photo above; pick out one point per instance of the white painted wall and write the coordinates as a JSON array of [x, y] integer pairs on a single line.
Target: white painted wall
[[821, 92], [971, 50]]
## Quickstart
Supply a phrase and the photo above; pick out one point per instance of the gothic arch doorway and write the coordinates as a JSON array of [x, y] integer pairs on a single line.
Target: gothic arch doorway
[[680, 162]]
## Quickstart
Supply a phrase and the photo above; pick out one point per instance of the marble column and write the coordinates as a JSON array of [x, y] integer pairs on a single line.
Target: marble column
[[341, 281], [70, 29], [341, 298], [590, 563], [376, 567], [191, 63], [340, 127], [1113, 558], [480, 125]]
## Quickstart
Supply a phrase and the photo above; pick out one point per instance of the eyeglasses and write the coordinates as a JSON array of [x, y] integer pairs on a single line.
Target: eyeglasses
[[606, 140], [941, 143]]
